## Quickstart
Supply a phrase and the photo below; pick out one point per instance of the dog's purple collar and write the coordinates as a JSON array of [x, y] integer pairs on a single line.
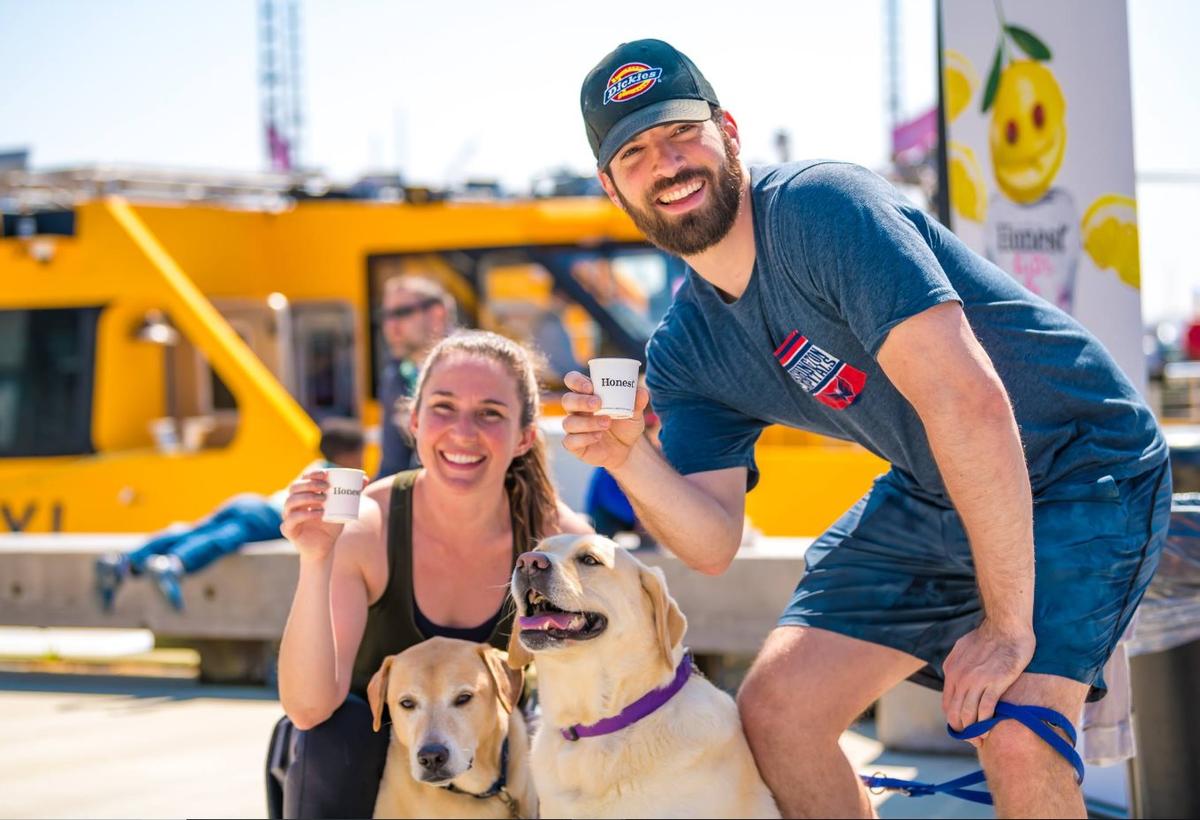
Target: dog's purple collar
[[646, 705]]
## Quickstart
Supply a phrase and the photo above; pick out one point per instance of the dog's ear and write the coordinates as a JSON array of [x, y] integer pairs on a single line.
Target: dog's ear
[[669, 622], [377, 691], [509, 681], [518, 656]]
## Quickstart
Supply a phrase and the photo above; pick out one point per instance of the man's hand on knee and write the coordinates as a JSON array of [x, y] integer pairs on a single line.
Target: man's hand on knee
[[980, 669]]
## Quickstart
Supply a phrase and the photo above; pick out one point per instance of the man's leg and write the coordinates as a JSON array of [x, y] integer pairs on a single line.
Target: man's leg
[[805, 688], [1026, 776]]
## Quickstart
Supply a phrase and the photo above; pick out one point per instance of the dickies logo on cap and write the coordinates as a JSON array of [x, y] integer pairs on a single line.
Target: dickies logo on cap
[[629, 81]]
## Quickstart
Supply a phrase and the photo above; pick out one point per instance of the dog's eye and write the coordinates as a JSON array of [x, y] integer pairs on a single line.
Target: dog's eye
[[408, 703], [589, 560], [463, 699]]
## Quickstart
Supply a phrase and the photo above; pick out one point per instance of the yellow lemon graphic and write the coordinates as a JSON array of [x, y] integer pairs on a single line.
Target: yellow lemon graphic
[[959, 81], [1028, 135], [1110, 236], [968, 191]]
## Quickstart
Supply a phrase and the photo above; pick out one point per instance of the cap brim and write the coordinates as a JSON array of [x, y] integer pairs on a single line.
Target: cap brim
[[648, 117]]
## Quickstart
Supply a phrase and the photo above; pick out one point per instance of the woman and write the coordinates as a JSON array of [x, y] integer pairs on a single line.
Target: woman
[[430, 554]]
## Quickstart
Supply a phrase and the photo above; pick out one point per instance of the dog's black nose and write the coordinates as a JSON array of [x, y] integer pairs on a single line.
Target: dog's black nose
[[433, 757], [531, 563]]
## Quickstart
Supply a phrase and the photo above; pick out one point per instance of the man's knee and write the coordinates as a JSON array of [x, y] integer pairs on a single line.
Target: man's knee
[[1012, 751], [768, 704]]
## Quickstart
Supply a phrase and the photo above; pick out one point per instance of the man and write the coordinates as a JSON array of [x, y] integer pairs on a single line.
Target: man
[[417, 314], [817, 297]]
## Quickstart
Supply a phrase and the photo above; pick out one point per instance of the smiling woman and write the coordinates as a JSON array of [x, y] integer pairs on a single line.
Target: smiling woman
[[430, 555]]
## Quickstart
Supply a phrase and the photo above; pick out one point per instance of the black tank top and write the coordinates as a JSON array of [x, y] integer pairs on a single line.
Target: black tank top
[[393, 623]]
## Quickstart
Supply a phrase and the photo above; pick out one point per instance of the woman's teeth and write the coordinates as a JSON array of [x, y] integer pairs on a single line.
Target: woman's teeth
[[462, 458], [681, 193]]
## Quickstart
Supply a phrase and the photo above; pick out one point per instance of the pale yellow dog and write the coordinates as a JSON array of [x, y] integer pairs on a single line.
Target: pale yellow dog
[[458, 745], [606, 635]]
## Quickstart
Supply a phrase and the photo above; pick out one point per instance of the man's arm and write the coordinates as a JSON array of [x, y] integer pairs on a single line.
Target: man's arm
[[697, 517], [936, 362]]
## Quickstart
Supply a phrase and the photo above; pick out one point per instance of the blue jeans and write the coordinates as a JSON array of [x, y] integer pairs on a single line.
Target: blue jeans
[[897, 570], [239, 521]]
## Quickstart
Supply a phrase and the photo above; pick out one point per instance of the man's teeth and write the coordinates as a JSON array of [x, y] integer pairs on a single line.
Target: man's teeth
[[462, 458], [680, 193]]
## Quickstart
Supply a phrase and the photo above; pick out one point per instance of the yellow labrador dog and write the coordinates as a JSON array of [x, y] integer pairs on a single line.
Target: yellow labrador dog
[[458, 746], [628, 729]]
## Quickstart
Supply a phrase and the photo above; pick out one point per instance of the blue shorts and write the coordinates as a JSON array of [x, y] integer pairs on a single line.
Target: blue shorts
[[896, 570]]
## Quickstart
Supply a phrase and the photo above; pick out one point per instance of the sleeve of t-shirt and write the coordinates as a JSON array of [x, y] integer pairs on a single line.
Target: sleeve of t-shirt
[[697, 433], [852, 233]]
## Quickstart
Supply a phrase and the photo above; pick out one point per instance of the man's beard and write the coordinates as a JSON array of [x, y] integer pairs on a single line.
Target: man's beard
[[699, 229]]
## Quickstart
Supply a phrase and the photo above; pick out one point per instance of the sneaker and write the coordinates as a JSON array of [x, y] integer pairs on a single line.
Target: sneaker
[[167, 571], [112, 569]]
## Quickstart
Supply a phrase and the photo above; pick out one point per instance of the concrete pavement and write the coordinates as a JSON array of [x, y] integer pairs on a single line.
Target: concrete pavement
[[117, 746]]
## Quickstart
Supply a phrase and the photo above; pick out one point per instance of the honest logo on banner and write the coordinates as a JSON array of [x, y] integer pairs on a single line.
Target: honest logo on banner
[[825, 377]]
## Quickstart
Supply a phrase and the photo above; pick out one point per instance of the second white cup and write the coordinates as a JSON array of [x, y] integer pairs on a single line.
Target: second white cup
[[615, 381], [343, 495]]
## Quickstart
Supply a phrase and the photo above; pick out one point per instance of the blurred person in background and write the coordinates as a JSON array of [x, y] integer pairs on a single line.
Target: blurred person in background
[[243, 519], [417, 313], [553, 340], [431, 554]]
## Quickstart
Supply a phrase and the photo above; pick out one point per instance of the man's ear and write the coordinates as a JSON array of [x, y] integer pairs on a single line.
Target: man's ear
[[508, 680], [609, 188], [730, 127], [377, 691]]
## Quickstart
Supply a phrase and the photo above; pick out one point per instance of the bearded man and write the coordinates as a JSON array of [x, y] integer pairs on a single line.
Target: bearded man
[[1003, 554]]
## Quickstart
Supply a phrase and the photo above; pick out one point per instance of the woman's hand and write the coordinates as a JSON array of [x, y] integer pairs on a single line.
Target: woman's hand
[[302, 524]]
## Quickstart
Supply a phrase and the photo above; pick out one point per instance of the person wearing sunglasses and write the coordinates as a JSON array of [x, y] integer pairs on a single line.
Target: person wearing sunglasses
[[417, 313]]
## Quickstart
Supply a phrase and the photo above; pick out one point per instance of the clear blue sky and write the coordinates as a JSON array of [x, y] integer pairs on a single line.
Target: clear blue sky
[[480, 88]]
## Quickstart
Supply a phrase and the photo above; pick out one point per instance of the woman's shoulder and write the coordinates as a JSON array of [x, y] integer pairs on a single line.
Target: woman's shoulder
[[570, 521]]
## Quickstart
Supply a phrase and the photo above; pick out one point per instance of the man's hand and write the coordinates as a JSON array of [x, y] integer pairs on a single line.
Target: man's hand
[[980, 669], [601, 441]]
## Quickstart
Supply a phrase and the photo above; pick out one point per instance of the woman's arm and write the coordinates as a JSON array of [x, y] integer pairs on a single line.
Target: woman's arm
[[326, 622], [571, 521]]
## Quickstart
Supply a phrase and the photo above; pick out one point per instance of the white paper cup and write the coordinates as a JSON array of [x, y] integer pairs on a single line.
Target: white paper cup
[[615, 382], [343, 495]]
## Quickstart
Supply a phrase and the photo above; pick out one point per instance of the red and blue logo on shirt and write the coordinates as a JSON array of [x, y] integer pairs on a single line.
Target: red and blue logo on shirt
[[827, 379]]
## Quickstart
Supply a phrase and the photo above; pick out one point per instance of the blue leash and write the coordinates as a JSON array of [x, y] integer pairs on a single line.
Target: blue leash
[[1038, 719]]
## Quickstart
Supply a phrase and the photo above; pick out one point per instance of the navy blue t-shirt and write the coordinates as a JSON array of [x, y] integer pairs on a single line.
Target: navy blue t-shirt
[[841, 259]]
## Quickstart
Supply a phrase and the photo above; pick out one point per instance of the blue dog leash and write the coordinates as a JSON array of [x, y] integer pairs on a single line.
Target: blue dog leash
[[1038, 719]]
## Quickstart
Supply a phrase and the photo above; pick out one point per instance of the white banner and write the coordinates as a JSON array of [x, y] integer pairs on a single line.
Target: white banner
[[1040, 155]]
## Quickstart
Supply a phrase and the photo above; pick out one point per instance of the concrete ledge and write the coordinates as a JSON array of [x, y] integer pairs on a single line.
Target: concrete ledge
[[47, 580]]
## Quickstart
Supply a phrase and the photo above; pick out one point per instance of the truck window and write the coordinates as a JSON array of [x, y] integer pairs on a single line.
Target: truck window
[[47, 371]]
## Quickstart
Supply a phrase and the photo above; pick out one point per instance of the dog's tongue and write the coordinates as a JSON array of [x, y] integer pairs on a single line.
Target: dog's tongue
[[553, 620]]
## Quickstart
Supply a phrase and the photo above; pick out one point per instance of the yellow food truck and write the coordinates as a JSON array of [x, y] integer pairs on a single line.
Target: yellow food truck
[[168, 345]]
